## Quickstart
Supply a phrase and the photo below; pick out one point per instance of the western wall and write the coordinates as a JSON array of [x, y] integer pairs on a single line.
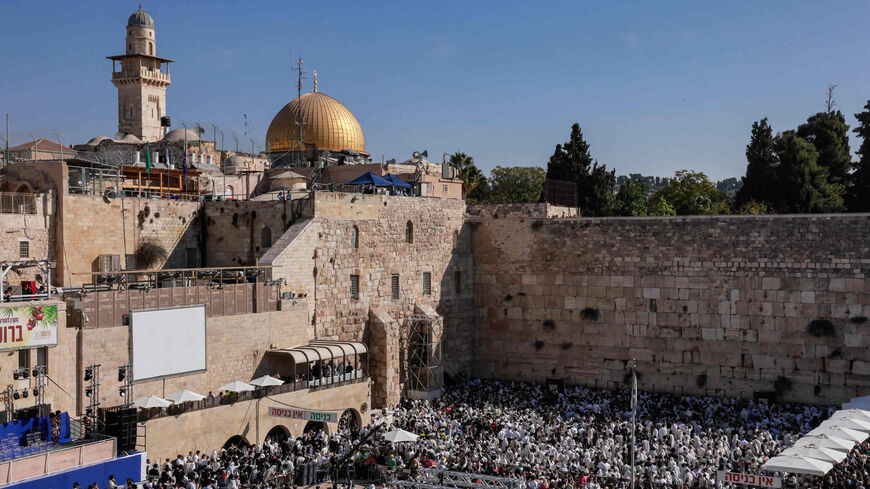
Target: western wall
[[720, 305]]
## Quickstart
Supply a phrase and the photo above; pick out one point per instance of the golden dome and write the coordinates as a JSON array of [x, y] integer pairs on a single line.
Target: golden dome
[[328, 125]]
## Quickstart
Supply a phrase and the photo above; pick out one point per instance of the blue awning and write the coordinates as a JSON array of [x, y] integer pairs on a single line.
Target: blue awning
[[397, 182], [372, 179]]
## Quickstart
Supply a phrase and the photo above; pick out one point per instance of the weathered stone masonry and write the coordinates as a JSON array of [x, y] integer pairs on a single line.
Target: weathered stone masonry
[[715, 304]]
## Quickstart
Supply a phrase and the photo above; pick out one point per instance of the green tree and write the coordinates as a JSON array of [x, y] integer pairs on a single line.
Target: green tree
[[519, 184], [572, 162], [803, 184], [661, 207], [474, 181], [829, 134], [631, 200], [692, 193], [753, 207], [759, 184], [859, 190]]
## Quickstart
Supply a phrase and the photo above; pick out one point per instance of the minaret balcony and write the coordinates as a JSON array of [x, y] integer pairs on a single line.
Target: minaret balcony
[[142, 72]]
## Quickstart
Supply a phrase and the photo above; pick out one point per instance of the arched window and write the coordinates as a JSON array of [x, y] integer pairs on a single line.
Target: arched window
[[409, 232], [266, 238], [354, 237], [151, 48]]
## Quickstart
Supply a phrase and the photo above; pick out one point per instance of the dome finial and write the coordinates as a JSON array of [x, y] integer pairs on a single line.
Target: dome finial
[[315, 80]]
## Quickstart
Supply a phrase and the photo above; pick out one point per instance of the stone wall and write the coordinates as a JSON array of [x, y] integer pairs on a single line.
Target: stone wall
[[235, 346], [718, 305], [234, 231], [209, 429], [92, 227], [317, 257]]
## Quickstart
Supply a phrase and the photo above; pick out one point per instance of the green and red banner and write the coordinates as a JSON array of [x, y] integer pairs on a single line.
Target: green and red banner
[[28, 327]]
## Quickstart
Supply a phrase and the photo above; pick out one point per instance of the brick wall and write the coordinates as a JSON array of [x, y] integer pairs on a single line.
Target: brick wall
[[716, 305]]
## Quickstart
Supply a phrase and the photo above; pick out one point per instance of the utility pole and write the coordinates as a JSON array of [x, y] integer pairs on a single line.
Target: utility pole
[[6, 153], [252, 154], [633, 415], [60, 140]]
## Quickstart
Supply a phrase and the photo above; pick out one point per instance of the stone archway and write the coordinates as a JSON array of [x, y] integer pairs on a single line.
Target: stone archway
[[315, 426], [278, 434], [236, 441], [350, 420]]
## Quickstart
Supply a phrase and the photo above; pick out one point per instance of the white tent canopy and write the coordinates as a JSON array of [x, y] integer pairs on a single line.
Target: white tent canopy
[[151, 402], [236, 386], [797, 465], [184, 396], [266, 380], [839, 432], [399, 436], [818, 453], [825, 441], [846, 421]]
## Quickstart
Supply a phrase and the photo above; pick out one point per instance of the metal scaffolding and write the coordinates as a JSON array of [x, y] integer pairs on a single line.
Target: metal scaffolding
[[444, 479], [421, 350]]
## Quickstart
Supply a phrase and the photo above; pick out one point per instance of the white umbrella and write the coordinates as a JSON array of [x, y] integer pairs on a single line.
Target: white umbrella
[[846, 421], [184, 396], [266, 380], [236, 386], [797, 465], [819, 453], [151, 402], [398, 436], [826, 441], [839, 432]]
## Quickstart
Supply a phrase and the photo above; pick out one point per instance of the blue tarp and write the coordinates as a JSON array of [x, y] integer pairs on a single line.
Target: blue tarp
[[122, 468], [397, 182], [20, 428], [372, 179]]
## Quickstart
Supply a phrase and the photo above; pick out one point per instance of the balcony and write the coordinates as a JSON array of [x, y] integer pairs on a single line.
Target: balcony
[[142, 72]]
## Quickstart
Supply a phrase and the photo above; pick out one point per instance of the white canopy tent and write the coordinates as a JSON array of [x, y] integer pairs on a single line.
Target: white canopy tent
[[151, 402], [839, 432], [399, 436], [184, 396], [236, 386], [826, 441], [794, 464], [818, 453], [265, 381], [845, 421]]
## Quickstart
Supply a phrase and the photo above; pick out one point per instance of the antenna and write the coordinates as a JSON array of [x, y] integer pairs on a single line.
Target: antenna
[[299, 145]]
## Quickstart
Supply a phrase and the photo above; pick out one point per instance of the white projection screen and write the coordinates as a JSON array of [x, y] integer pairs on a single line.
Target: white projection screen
[[165, 342]]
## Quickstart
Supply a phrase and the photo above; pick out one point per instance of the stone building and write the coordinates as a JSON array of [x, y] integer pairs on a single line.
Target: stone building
[[142, 79]]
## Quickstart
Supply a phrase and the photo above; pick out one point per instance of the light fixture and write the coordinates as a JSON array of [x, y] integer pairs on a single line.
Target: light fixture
[[15, 395], [24, 394], [89, 373], [122, 374], [88, 391], [122, 391], [15, 375]]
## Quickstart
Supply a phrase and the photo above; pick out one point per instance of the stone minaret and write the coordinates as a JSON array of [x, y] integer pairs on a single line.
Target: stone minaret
[[141, 81]]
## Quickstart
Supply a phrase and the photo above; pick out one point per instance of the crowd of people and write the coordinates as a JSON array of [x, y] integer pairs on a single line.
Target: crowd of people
[[574, 438]]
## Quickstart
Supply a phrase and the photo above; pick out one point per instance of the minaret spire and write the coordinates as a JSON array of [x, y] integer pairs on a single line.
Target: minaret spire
[[315, 80]]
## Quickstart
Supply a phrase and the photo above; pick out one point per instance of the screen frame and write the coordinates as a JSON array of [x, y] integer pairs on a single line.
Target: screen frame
[[177, 374]]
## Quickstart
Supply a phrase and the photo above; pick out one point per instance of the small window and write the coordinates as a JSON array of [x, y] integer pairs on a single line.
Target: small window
[[427, 283], [23, 358], [457, 281], [354, 287], [42, 358], [394, 286], [444, 187], [409, 232], [266, 237], [354, 237], [24, 249], [151, 49]]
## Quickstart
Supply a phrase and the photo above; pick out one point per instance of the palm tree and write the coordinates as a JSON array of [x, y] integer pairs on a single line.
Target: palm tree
[[472, 178]]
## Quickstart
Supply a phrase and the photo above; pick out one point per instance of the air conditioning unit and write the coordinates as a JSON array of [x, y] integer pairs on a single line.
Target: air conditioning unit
[[107, 263]]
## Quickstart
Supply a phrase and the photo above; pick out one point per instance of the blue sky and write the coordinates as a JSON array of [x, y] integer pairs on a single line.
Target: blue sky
[[656, 86]]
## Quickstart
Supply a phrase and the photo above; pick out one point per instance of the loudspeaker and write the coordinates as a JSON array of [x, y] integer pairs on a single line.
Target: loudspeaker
[[121, 423]]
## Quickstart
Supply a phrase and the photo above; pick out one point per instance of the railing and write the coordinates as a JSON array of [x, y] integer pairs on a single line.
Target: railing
[[17, 203], [234, 397], [141, 72]]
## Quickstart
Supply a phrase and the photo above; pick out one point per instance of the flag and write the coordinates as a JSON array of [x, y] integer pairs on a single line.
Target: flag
[[168, 165], [184, 163], [147, 158]]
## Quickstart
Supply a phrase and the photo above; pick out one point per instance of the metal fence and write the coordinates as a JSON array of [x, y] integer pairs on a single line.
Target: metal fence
[[17, 203]]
